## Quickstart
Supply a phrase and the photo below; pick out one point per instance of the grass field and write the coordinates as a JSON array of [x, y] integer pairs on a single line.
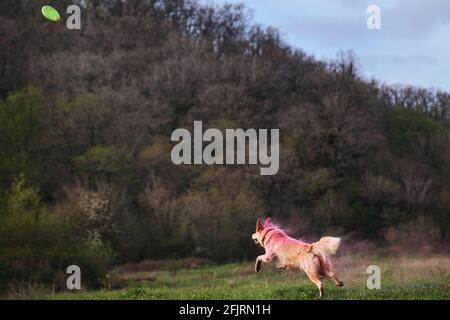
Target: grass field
[[401, 278]]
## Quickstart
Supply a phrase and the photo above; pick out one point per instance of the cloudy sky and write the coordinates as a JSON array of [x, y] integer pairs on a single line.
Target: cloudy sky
[[412, 47]]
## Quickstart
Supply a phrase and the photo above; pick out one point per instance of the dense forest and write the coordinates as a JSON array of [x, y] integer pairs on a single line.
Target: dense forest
[[85, 124]]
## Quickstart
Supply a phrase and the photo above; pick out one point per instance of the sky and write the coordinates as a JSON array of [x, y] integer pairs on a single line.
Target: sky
[[412, 46]]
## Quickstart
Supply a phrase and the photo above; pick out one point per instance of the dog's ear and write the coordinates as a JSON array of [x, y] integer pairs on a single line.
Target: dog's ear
[[259, 225], [268, 223]]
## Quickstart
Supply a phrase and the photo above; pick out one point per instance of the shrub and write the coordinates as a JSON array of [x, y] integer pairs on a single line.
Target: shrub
[[417, 235], [22, 123], [412, 131], [107, 165], [219, 214], [36, 245]]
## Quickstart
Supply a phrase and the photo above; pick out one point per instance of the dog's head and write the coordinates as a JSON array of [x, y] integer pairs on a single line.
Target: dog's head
[[257, 237]]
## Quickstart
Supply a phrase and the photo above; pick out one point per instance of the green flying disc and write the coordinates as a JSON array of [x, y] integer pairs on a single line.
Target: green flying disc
[[50, 13]]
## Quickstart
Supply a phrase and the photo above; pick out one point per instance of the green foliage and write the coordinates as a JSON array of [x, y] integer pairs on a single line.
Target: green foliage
[[106, 164], [28, 233], [36, 245], [95, 258], [173, 247], [22, 123], [411, 131]]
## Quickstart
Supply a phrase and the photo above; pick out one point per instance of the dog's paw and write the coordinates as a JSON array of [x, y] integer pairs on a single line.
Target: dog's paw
[[257, 266]]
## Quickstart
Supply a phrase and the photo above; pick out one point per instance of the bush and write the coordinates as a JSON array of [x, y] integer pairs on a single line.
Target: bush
[[421, 234], [107, 165], [413, 132], [22, 123], [36, 245], [219, 213]]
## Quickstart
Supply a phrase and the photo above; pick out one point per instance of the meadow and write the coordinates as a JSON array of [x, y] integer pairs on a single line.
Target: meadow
[[411, 277], [87, 177]]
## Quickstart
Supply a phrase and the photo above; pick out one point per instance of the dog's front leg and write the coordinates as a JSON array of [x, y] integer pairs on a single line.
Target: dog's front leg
[[268, 257]]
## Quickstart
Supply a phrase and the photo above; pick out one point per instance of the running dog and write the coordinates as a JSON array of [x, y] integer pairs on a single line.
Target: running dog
[[313, 258]]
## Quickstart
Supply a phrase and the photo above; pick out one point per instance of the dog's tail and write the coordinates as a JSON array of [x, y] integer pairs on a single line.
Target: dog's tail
[[326, 246]]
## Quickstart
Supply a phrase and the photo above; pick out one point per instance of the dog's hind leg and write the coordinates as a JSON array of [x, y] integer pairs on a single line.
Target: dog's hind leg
[[335, 279], [332, 276], [327, 272], [314, 277]]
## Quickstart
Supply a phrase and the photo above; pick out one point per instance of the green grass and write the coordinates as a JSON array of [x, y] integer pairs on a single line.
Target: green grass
[[405, 278]]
